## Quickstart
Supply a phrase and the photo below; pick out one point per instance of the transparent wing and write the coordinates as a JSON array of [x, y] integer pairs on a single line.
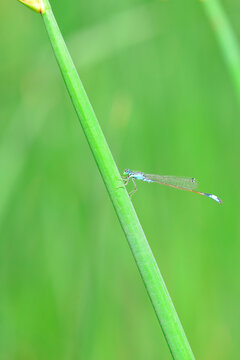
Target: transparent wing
[[181, 182]]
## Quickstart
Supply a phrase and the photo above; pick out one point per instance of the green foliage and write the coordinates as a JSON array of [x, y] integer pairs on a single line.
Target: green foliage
[[151, 276], [58, 298]]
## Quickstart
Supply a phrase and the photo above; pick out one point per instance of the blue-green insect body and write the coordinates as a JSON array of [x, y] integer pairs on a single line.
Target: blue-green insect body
[[181, 183]]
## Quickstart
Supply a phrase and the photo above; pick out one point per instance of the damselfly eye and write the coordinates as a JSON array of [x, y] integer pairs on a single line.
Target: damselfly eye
[[126, 172]]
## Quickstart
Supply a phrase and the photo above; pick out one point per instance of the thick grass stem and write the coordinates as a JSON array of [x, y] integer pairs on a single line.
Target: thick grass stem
[[142, 253]]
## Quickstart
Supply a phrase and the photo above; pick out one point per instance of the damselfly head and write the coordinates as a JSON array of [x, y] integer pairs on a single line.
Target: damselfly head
[[127, 172]]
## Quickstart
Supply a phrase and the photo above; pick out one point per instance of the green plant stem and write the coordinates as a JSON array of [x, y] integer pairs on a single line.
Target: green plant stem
[[142, 253], [226, 38]]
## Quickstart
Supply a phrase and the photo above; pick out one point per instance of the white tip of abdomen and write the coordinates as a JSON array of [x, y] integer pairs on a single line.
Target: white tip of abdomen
[[214, 197]]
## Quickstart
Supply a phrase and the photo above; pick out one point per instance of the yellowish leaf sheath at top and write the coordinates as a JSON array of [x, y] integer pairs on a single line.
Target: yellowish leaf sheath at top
[[36, 5]]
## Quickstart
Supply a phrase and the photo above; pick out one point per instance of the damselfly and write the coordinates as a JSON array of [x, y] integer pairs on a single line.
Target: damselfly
[[181, 183]]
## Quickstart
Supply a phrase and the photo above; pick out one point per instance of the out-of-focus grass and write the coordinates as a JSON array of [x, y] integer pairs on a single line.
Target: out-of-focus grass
[[56, 301], [227, 38]]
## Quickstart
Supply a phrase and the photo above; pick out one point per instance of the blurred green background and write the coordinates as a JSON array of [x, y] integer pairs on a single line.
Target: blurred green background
[[156, 77]]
